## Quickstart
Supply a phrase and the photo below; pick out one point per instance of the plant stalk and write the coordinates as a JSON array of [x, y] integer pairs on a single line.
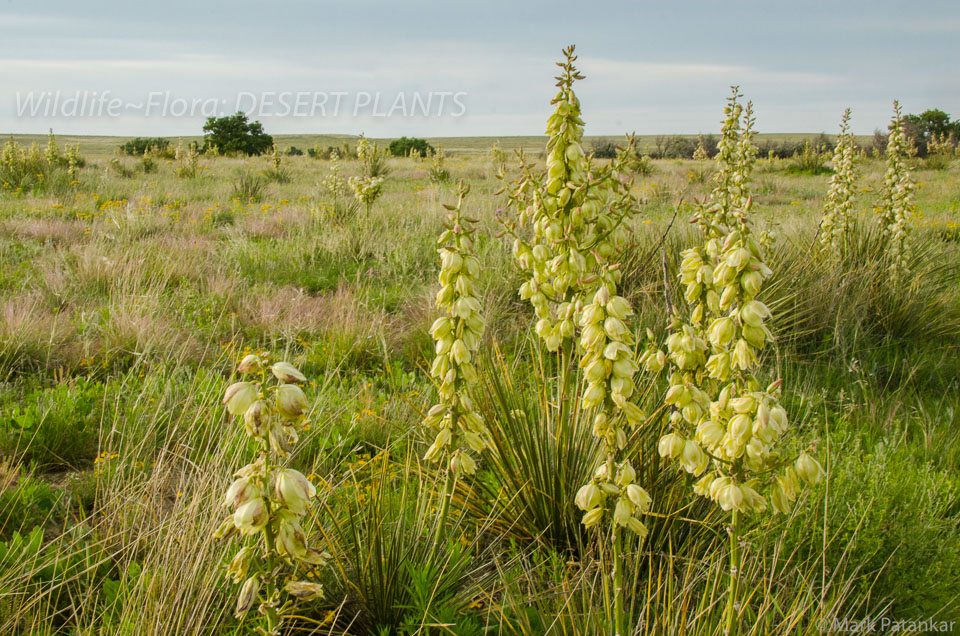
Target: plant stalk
[[734, 575]]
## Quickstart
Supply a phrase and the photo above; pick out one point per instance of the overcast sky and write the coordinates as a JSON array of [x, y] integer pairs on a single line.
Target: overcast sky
[[660, 67]]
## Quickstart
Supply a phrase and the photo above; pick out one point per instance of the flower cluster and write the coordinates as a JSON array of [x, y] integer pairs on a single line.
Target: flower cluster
[[334, 182], [577, 212], [460, 429], [267, 499], [609, 363], [366, 189], [719, 412], [275, 157], [896, 198], [836, 211], [631, 500]]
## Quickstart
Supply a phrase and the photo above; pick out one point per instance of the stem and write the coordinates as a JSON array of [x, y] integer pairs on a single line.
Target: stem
[[734, 573], [618, 619], [605, 579], [448, 486]]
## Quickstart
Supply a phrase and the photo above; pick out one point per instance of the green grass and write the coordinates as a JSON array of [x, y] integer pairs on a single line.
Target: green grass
[[126, 301]]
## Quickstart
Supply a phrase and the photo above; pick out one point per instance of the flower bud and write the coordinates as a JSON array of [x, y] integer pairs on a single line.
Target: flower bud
[[286, 372], [240, 563], [808, 469], [249, 364], [730, 498], [241, 491], [640, 497], [255, 419], [304, 590], [693, 459], [251, 516], [291, 540], [593, 517], [671, 445], [291, 402], [239, 396], [294, 490], [588, 497], [247, 596]]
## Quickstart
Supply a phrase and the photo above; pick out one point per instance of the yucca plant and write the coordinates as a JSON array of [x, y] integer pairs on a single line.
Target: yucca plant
[[721, 418], [577, 212], [269, 499], [835, 225], [895, 207], [392, 575]]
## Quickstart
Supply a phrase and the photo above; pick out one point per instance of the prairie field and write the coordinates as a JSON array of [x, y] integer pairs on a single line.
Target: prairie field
[[130, 292]]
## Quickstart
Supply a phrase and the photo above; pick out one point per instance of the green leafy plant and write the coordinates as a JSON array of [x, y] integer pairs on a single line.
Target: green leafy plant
[[405, 146], [236, 134]]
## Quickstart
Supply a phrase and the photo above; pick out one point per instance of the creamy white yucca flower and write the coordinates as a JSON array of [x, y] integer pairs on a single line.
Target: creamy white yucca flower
[[724, 426], [835, 225], [268, 500], [460, 430], [570, 218], [366, 189], [896, 199], [334, 182], [569, 236]]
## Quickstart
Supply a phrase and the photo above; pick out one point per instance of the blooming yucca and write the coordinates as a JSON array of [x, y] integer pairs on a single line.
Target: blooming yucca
[[268, 500], [577, 210], [836, 211], [896, 198], [461, 431], [724, 425]]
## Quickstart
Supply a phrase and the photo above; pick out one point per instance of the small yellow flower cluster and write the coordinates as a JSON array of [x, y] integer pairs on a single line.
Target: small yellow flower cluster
[[896, 197], [460, 429], [835, 225]]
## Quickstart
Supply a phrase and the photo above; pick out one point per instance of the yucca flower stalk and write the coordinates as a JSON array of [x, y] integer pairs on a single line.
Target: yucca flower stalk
[[275, 158], [334, 182], [268, 499], [366, 190], [723, 422], [896, 199], [577, 213], [835, 226], [52, 150], [73, 163], [699, 173], [460, 430]]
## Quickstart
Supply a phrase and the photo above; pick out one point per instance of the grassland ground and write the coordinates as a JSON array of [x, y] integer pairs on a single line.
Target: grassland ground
[[128, 295]]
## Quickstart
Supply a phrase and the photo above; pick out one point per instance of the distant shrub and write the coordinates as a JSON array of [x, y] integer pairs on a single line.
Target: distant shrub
[[293, 151], [236, 135], [141, 145], [810, 159], [604, 150], [402, 147]]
